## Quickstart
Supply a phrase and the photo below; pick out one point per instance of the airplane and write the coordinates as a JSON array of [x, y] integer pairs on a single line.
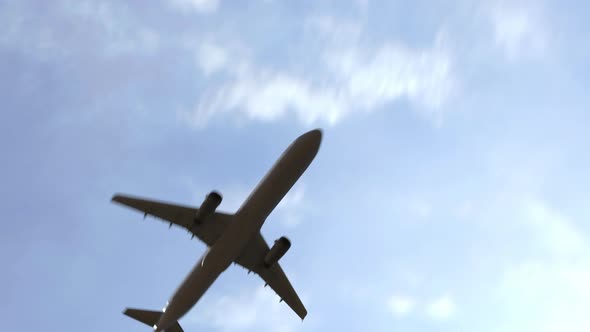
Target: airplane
[[230, 238]]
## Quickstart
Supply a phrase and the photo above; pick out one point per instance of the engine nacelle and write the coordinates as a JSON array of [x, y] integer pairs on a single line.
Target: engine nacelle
[[208, 207], [277, 251]]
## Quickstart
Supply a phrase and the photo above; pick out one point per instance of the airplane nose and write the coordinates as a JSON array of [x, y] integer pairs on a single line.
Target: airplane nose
[[307, 145], [314, 136]]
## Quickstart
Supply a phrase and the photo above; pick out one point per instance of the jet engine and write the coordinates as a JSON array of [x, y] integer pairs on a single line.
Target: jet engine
[[208, 207], [277, 251]]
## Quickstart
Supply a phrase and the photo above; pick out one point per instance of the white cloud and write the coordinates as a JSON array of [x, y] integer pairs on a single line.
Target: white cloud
[[290, 207], [332, 31], [199, 6], [518, 30], [550, 290], [354, 290], [347, 76], [289, 211], [464, 209], [211, 58], [107, 29], [401, 306], [441, 308], [548, 297], [265, 96], [253, 310], [419, 208], [392, 71], [123, 35], [555, 233]]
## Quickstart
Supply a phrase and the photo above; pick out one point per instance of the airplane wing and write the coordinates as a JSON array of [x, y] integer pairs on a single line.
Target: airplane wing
[[208, 231], [252, 258]]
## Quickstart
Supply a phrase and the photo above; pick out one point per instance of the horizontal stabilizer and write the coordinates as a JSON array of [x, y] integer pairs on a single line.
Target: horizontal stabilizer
[[150, 318]]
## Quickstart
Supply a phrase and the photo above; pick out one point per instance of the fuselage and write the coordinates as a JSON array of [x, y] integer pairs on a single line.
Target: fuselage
[[246, 223]]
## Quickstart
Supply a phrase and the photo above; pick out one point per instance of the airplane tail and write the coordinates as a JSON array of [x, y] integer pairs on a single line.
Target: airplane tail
[[150, 318]]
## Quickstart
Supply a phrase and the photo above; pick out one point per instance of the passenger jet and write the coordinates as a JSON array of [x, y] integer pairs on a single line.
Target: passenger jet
[[231, 238]]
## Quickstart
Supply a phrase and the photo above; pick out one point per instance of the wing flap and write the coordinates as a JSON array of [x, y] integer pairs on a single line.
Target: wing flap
[[208, 231]]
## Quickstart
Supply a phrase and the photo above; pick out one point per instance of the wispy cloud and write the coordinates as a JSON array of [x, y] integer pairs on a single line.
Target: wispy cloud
[[419, 208], [518, 30], [211, 58], [198, 6], [346, 76], [441, 308], [552, 231], [401, 306], [551, 287], [438, 308], [292, 206], [105, 30], [464, 209], [551, 297]]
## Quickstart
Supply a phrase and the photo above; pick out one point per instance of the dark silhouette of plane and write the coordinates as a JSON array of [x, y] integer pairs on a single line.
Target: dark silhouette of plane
[[231, 238]]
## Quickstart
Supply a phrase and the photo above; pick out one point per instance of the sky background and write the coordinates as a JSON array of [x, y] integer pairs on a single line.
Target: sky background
[[450, 192]]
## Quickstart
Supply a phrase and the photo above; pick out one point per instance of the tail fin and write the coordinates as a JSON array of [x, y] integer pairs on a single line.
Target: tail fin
[[150, 318]]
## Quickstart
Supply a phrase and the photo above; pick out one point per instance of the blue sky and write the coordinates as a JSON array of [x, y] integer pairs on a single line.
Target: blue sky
[[449, 194]]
